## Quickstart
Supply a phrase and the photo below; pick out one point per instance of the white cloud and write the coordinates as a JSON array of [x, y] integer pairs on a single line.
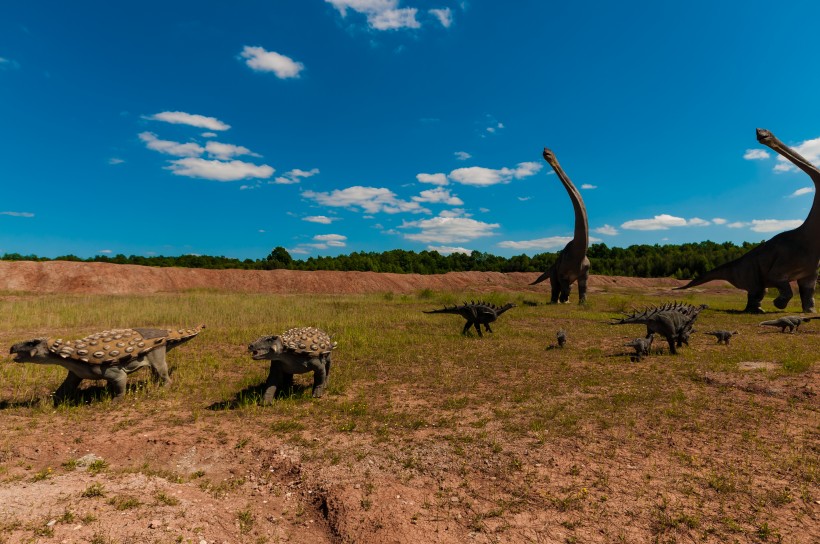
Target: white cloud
[[381, 14], [439, 195], [775, 225], [803, 191], [524, 198], [169, 147], [435, 179], [18, 214], [756, 154], [553, 242], [209, 135], [738, 225], [462, 155], [182, 118], [115, 160], [483, 177], [447, 250], [226, 152], [295, 176], [107, 251], [588, 186], [298, 251], [663, 222], [261, 60], [368, 199], [444, 16], [609, 230], [323, 219], [334, 240], [809, 150], [219, 170], [718, 221], [447, 230]]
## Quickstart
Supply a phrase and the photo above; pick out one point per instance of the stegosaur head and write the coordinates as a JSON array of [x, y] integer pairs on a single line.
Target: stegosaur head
[[30, 350], [265, 347]]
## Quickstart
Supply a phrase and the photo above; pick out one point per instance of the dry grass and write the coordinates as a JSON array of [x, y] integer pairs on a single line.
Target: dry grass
[[511, 430]]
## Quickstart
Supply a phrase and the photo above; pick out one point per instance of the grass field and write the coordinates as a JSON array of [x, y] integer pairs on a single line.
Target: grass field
[[423, 432]]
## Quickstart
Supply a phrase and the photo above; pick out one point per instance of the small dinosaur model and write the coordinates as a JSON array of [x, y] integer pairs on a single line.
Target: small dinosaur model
[[642, 346], [476, 314], [723, 337], [109, 355], [562, 338], [296, 351], [793, 255], [792, 322], [673, 321], [572, 263]]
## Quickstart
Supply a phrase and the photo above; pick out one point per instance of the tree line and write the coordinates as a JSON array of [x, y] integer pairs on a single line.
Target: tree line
[[682, 261]]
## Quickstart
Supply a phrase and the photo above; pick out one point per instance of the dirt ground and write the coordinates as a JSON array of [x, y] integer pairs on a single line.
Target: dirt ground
[[108, 478]]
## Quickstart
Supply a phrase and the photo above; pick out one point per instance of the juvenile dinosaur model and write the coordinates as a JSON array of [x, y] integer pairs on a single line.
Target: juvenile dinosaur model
[[791, 322], [297, 351], [793, 255], [723, 337], [562, 338], [476, 314], [673, 321], [642, 346], [109, 355], [572, 263]]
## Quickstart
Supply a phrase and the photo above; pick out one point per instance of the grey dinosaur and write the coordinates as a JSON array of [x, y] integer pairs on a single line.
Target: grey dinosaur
[[723, 337], [642, 346], [109, 355], [673, 321], [296, 351], [793, 255], [572, 263], [791, 322], [476, 314]]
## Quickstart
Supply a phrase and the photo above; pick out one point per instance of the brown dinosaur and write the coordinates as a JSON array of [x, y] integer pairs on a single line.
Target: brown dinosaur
[[572, 263], [793, 255]]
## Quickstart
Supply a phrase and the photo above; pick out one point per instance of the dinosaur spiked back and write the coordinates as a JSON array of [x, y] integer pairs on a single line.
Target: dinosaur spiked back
[[118, 345]]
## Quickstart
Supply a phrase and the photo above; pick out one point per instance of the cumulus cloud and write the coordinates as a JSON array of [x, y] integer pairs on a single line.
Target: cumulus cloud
[[219, 170], [483, 177], [295, 176], [447, 250], [756, 154], [663, 222], [588, 186], [462, 155], [444, 16], [381, 14], [323, 219], [169, 147], [367, 199], [182, 118], [439, 195], [18, 214], [803, 191], [435, 179], [209, 134], [333, 240], [553, 242], [609, 230], [260, 60], [226, 152], [810, 150], [767, 225], [446, 229], [718, 221]]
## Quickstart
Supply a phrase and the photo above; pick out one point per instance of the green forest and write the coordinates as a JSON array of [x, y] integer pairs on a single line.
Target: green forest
[[682, 261]]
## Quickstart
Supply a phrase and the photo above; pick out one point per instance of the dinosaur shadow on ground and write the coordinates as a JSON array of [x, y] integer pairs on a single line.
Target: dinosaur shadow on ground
[[252, 396], [81, 397]]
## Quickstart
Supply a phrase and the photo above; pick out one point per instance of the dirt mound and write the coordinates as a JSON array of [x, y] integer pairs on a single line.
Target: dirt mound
[[105, 278]]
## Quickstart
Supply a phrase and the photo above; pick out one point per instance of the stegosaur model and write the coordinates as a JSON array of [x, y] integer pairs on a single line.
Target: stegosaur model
[[674, 321], [296, 351], [793, 255], [109, 355], [476, 314], [572, 263]]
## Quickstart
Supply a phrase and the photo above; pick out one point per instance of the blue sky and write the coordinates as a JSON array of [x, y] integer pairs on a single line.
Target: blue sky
[[332, 126]]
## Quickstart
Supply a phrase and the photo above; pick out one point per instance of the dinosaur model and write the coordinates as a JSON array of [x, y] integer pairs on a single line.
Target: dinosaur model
[[791, 322], [109, 355], [673, 321], [297, 351], [792, 255], [723, 337], [476, 314], [572, 263], [642, 346], [562, 338]]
